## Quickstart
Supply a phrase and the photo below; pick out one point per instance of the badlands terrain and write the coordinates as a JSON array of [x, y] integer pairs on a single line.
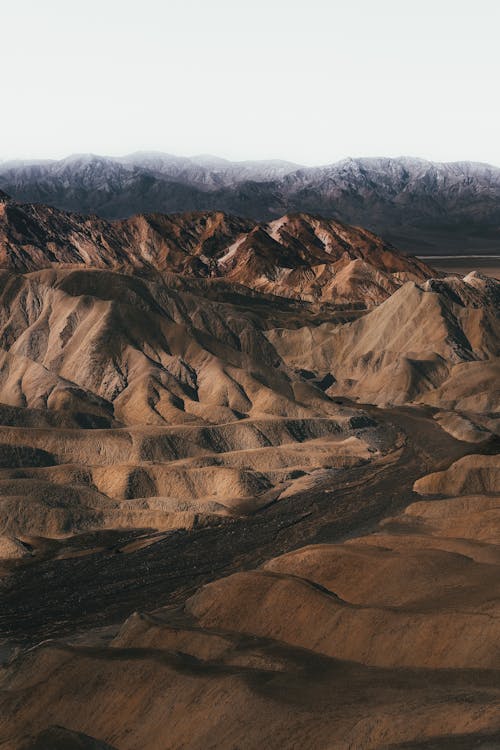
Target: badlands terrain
[[249, 487]]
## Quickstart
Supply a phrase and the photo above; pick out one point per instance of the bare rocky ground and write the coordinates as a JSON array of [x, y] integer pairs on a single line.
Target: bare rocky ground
[[234, 519]]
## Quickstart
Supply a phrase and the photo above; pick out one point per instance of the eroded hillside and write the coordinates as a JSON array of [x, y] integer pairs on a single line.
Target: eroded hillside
[[249, 486]]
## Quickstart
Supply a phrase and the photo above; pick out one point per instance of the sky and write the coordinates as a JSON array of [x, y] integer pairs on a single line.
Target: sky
[[311, 81]]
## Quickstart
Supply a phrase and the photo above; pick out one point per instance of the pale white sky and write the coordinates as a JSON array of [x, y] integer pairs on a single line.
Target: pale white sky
[[311, 81]]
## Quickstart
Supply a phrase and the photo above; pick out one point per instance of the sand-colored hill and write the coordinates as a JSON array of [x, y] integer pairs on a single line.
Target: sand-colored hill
[[469, 387], [142, 352], [129, 403], [471, 474], [421, 343]]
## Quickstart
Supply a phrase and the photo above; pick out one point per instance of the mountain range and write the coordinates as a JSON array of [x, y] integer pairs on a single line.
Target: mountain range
[[299, 255], [424, 207]]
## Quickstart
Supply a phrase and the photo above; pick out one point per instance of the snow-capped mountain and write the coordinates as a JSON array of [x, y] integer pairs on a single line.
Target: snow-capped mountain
[[422, 206]]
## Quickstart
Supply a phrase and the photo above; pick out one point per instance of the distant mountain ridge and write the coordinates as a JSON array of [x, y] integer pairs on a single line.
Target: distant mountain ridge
[[423, 207]]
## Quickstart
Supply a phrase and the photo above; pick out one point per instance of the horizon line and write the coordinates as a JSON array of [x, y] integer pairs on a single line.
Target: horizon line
[[199, 156]]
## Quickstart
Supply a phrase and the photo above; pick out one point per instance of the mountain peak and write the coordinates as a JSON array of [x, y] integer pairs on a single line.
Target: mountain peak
[[421, 206], [298, 256]]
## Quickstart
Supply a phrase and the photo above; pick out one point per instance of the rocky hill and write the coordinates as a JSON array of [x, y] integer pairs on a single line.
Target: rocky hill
[[299, 256]]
